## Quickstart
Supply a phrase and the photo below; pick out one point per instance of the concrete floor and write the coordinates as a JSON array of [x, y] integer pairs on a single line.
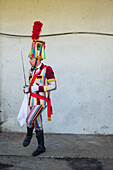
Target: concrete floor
[[63, 152]]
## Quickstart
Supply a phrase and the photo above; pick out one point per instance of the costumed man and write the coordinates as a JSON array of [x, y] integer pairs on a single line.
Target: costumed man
[[41, 82]]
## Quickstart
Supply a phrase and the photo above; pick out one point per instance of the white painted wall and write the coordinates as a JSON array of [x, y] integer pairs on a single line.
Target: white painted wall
[[83, 64]]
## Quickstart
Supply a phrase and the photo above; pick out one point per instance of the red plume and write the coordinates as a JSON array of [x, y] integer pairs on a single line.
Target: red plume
[[36, 30]]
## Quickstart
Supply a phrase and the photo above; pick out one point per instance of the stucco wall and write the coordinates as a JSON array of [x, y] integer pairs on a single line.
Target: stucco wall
[[83, 64]]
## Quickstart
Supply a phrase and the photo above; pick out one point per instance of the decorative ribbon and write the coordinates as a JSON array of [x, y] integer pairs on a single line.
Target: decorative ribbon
[[49, 107], [48, 100]]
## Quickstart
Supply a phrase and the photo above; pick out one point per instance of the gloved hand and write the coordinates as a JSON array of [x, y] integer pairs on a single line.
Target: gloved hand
[[34, 88], [26, 89]]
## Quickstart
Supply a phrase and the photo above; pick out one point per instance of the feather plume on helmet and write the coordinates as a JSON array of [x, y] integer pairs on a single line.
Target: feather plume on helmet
[[38, 46]]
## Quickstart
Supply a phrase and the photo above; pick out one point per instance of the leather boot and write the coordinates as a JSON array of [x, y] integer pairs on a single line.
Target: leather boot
[[28, 136], [40, 139]]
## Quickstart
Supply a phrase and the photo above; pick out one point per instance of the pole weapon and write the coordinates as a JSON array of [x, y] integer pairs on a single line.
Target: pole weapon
[[22, 63]]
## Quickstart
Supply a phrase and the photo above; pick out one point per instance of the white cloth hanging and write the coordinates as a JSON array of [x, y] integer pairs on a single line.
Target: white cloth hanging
[[23, 111]]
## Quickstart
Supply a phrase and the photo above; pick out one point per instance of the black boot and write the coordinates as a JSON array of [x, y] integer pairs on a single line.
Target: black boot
[[28, 136], [40, 139]]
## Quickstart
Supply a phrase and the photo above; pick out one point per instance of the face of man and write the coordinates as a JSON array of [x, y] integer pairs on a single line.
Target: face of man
[[33, 60]]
